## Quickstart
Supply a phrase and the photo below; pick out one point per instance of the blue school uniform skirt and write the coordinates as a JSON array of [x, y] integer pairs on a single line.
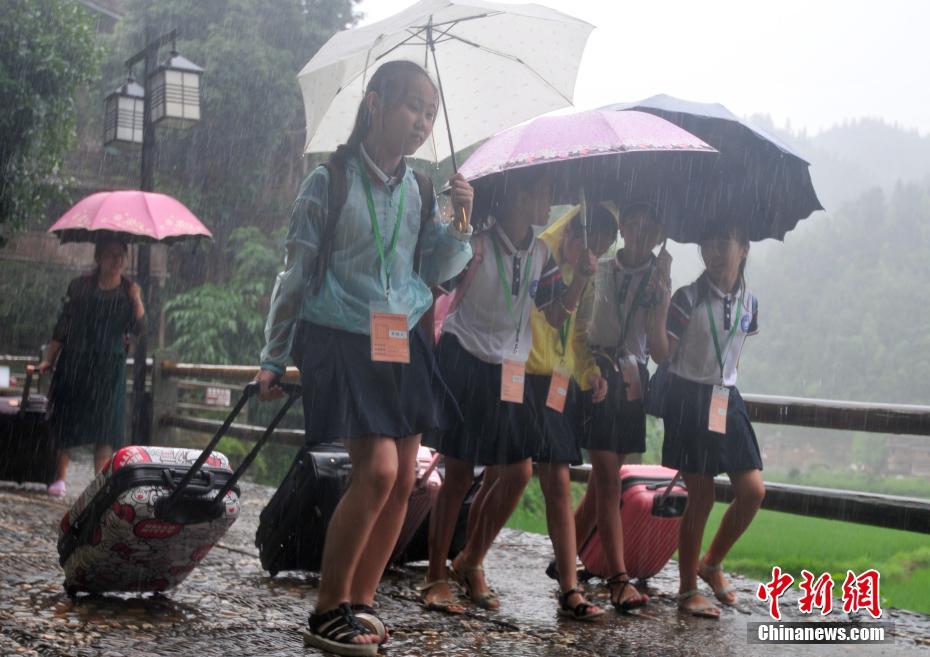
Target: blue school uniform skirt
[[691, 447], [555, 436], [615, 424], [490, 431], [347, 395]]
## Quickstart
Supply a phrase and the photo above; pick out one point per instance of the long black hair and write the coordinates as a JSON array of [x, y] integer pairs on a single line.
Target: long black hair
[[738, 233], [390, 82]]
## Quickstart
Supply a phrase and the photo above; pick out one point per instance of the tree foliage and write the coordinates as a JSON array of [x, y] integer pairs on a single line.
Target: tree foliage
[[241, 163], [843, 308], [223, 323], [47, 50]]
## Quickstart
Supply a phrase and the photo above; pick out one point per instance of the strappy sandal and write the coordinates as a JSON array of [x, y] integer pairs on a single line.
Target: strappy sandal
[[627, 605], [334, 631], [487, 600], [583, 611], [705, 611], [368, 617], [446, 606], [706, 572]]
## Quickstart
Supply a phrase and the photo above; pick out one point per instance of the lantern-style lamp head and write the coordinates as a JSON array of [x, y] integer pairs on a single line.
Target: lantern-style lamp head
[[175, 92], [123, 112]]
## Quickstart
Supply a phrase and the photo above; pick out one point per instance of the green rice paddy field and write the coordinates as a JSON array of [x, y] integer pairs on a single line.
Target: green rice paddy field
[[795, 542]]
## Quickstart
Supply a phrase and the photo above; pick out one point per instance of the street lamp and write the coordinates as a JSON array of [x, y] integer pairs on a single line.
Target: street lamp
[[175, 92], [123, 112], [171, 96]]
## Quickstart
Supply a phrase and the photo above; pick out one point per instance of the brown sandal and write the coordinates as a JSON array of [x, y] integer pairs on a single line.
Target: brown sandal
[[446, 606], [487, 600]]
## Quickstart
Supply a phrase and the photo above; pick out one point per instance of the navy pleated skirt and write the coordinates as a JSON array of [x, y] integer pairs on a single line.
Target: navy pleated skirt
[[490, 431], [555, 437], [347, 395], [614, 424], [691, 447]]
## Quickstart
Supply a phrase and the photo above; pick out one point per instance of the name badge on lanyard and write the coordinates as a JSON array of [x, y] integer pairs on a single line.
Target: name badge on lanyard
[[629, 368], [720, 399], [513, 377], [390, 342], [561, 377], [513, 370]]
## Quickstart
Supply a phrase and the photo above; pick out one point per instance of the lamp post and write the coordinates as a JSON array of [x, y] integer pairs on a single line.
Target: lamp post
[[172, 96]]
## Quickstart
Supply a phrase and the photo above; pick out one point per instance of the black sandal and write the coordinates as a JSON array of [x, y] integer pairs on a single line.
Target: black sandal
[[628, 605], [368, 617], [334, 631], [580, 611]]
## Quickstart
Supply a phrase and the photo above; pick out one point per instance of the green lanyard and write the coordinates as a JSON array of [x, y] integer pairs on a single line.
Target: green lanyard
[[508, 292], [627, 322], [713, 332], [387, 261], [563, 334]]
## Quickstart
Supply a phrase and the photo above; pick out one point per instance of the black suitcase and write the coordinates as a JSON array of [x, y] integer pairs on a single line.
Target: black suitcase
[[418, 548], [28, 452], [292, 527]]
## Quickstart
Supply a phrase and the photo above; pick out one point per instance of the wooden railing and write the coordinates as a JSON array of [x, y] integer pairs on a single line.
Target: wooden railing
[[895, 512]]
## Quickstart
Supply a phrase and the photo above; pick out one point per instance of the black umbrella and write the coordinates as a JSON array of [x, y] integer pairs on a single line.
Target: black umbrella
[[755, 181]]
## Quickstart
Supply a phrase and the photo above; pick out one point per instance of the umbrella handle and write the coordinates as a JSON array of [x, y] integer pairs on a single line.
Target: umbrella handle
[[584, 217]]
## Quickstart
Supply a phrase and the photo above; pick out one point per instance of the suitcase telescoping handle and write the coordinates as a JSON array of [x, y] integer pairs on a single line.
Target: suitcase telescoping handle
[[293, 392], [30, 371]]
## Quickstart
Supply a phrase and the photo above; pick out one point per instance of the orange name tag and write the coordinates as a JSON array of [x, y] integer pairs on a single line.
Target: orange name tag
[[629, 367], [558, 390], [389, 339], [717, 421], [513, 375]]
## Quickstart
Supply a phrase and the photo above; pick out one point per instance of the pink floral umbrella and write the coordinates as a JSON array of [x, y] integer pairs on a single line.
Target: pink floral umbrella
[[575, 136], [619, 156], [130, 215]]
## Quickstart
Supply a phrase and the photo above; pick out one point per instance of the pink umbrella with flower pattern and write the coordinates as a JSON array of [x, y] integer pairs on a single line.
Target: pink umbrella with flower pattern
[[131, 216]]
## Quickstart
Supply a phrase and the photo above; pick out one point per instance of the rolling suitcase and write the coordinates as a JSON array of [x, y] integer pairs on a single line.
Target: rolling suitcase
[[154, 513], [652, 501], [292, 527], [28, 452]]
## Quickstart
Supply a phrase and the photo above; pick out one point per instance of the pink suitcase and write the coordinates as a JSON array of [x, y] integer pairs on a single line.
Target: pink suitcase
[[153, 513], [651, 512], [421, 499]]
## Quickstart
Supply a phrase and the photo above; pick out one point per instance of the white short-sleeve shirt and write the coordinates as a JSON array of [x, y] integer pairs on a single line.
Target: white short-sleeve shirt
[[695, 359], [482, 320], [617, 295]]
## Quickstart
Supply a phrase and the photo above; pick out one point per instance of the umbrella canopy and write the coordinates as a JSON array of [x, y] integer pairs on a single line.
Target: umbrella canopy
[[498, 64], [620, 156], [130, 215], [757, 180]]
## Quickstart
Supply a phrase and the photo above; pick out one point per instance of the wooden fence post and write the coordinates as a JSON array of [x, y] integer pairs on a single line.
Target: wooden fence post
[[164, 397]]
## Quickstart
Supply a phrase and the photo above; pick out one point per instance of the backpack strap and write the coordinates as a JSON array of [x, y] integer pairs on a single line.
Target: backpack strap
[[427, 201], [337, 192]]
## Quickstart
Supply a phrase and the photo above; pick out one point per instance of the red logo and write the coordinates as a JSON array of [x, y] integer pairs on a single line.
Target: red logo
[[817, 593], [861, 593], [153, 528], [127, 455], [774, 590]]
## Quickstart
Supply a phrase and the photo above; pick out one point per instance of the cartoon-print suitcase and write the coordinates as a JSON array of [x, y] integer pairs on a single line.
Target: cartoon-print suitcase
[[154, 513], [652, 501]]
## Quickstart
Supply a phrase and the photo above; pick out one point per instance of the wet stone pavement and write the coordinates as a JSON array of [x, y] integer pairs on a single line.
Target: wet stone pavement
[[229, 606]]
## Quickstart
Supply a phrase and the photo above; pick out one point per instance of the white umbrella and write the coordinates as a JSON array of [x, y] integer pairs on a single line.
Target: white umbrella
[[498, 64]]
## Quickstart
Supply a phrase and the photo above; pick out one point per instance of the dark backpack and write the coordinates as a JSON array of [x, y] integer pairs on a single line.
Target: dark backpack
[[337, 194]]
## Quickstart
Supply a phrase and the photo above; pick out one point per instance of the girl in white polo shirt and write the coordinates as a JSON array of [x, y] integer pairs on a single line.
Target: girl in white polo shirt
[[707, 428], [485, 343]]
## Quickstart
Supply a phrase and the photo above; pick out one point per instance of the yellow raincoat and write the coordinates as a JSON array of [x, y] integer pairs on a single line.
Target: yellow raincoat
[[546, 353]]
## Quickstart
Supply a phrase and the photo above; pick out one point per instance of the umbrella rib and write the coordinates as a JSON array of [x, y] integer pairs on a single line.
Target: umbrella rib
[[419, 30]]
